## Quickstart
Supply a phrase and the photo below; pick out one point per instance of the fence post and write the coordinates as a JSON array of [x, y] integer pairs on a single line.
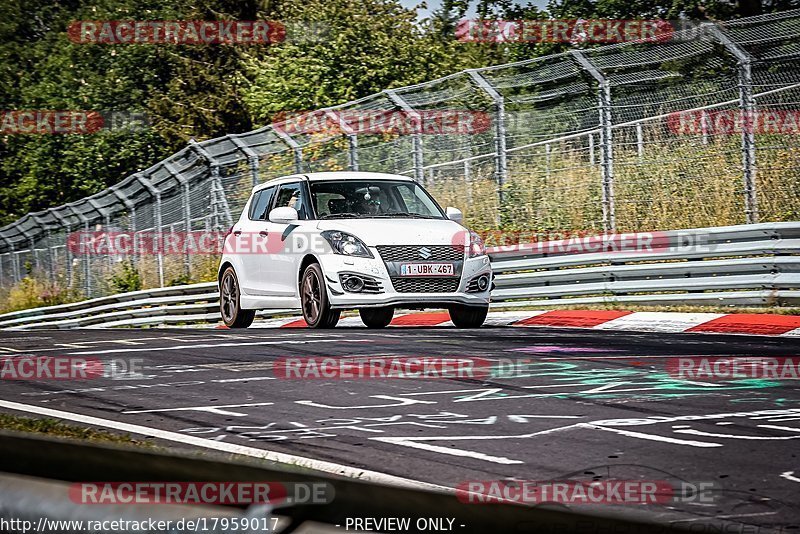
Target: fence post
[[87, 286], [2, 267], [639, 141], [187, 213], [297, 150], [416, 139], [49, 257], [131, 207], [156, 194], [606, 148], [747, 107], [252, 157], [217, 188], [87, 268], [352, 138], [501, 154], [14, 262], [67, 253]]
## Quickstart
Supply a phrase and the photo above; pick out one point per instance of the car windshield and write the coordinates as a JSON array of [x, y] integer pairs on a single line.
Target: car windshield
[[357, 199]]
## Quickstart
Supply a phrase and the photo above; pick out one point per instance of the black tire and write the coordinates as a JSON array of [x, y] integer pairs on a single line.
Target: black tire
[[314, 299], [468, 316], [376, 317], [229, 304]]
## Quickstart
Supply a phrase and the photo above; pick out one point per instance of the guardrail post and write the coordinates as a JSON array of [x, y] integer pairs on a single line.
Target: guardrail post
[[156, 194], [501, 155], [416, 139], [606, 148], [297, 150], [747, 107]]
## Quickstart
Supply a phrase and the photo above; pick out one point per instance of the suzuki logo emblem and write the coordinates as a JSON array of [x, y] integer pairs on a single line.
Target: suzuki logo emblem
[[424, 253]]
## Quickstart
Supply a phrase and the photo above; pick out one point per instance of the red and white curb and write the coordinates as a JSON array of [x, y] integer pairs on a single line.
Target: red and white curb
[[668, 322]]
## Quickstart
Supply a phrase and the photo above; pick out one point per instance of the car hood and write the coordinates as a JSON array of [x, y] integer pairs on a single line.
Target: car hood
[[375, 232]]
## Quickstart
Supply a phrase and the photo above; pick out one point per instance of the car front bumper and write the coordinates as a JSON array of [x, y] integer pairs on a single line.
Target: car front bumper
[[335, 264]]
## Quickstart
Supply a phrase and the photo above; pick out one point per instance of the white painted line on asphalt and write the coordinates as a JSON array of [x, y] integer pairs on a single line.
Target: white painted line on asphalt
[[789, 475], [215, 345], [291, 459], [219, 410]]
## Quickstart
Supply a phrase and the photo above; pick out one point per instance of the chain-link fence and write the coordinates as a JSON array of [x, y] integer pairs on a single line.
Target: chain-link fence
[[702, 129]]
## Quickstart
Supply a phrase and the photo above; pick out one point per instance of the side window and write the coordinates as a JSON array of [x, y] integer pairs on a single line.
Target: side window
[[259, 208], [292, 196]]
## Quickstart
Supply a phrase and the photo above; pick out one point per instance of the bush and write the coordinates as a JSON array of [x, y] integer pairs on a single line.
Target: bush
[[126, 278], [35, 291]]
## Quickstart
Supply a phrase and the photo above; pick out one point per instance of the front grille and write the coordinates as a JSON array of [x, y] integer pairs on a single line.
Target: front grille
[[411, 253], [425, 285]]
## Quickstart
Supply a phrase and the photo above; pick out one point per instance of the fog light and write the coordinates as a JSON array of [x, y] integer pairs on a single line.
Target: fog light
[[353, 284], [483, 282]]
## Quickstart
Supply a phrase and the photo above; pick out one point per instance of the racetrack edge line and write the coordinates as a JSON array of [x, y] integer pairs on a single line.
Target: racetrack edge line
[[310, 463]]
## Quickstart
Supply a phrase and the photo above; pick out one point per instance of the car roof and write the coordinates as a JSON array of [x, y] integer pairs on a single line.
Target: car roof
[[334, 175]]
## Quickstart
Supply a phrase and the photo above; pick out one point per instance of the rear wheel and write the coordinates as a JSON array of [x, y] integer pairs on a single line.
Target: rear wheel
[[376, 317], [229, 305], [314, 299], [468, 316]]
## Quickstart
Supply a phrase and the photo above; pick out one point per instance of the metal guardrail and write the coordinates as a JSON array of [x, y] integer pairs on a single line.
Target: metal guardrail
[[755, 265]]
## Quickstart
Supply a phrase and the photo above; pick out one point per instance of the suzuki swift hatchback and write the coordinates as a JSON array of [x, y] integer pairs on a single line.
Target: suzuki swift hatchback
[[332, 241]]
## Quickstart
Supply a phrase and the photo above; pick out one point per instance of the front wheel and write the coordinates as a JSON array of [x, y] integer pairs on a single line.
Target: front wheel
[[468, 316], [229, 305], [376, 317], [314, 299]]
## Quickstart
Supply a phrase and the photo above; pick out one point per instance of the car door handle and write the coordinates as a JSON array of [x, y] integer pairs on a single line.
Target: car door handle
[[237, 232], [263, 233]]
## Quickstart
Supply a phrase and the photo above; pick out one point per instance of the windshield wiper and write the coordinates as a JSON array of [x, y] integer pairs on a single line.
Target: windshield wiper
[[405, 214], [345, 215]]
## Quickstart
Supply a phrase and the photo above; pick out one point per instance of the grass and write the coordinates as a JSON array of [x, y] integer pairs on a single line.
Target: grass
[[53, 427]]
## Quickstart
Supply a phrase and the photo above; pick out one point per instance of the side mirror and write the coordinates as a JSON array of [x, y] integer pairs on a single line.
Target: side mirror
[[454, 214], [283, 215]]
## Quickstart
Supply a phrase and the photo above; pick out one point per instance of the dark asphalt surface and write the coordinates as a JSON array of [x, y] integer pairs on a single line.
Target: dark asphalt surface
[[582, 407]]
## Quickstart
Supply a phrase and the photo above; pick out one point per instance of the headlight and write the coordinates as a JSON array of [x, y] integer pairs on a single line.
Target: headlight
[[476, 246], [346, 244]]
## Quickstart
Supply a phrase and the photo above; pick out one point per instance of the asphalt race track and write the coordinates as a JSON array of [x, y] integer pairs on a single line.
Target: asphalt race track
[[581, 405]]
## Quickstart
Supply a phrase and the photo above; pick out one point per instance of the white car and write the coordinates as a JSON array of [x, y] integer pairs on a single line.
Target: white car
[[332, 241]]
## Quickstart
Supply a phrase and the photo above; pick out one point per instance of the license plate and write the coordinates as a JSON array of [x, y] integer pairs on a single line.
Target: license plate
[[427, 269]]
